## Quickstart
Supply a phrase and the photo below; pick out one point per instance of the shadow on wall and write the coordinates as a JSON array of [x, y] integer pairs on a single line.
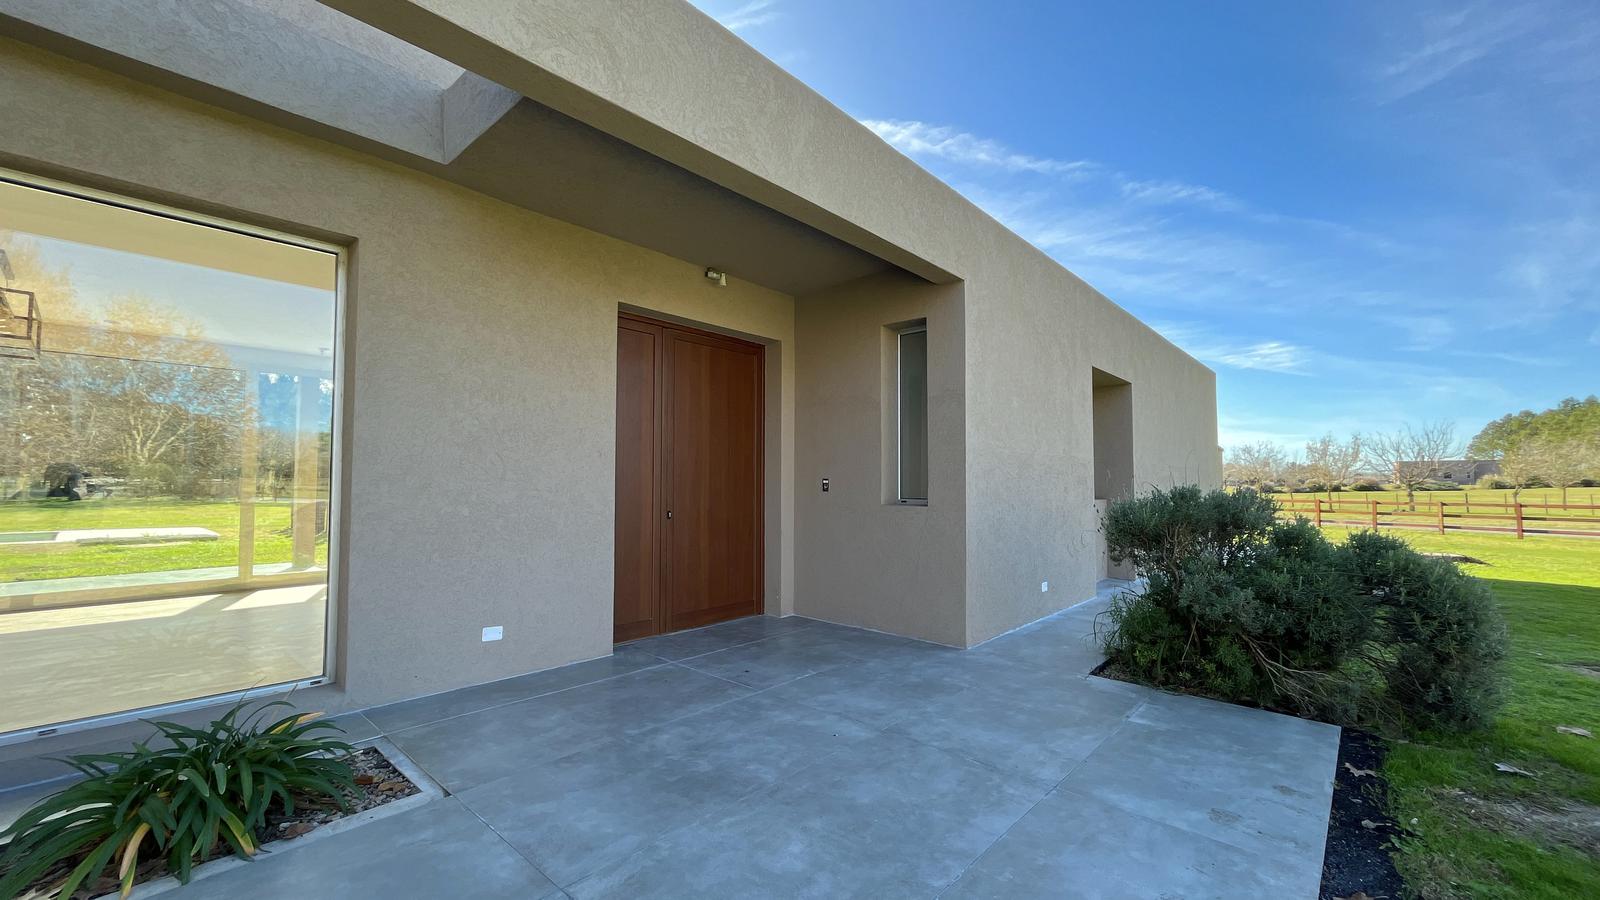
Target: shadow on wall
[[1113, 456]]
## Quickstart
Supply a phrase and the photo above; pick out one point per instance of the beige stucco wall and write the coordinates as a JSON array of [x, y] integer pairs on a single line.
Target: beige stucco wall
[[516, 393], [861, 559], [481, 348], [664, 77], [1034, 336]]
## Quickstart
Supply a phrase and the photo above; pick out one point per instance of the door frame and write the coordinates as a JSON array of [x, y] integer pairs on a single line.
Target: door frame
[[663, 451]]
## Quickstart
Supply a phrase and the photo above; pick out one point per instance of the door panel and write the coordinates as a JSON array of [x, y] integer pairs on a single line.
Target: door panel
[[689, 519], [713, 479], [638, 520]]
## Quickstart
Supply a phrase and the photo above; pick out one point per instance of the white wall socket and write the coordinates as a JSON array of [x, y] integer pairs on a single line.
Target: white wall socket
[[493, 632], [1044, 587]]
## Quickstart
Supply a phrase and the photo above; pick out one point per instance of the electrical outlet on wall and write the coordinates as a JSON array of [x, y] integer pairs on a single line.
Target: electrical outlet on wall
[[1044, 587], [493, 632]]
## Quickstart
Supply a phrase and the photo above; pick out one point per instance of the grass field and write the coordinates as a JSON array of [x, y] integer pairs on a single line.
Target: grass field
[[32, 562], [1481, 833]]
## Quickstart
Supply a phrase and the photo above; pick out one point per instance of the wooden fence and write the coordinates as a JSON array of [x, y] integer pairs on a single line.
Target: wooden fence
[[1492, 517]]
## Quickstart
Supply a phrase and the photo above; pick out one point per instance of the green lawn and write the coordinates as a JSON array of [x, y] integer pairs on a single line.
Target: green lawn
[[1481, 833], [26, 563]]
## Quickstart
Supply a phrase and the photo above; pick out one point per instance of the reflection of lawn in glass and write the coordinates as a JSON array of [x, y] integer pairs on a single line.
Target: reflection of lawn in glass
[[33, 562]]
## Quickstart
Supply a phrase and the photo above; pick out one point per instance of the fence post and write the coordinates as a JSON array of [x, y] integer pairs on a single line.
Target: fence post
[[1518, 506], [1441, 517], [1374, 510], [1317, 512]]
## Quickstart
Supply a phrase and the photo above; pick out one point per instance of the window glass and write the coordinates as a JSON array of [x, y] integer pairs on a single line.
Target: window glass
[[166, 412], [913, 415]]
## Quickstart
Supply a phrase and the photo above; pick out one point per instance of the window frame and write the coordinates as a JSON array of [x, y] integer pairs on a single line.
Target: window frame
[[900, 497], [337, 486]]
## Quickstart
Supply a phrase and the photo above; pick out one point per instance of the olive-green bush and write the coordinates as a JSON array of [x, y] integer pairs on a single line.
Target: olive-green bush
[[1238, 604]]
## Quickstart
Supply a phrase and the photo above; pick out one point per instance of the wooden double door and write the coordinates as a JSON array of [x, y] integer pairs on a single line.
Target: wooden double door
[[689, 478]]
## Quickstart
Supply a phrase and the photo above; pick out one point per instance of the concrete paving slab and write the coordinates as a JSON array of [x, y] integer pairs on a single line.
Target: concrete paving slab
[[878, 693], [493, 743], [887, 817], [1041, 734], [1072, 845], [699, 641], [437, 850], [848, 764], [437, 707], [594, 808], [1253, 779]]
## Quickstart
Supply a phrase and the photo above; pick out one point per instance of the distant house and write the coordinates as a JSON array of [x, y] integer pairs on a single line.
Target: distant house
[[1456, 471]]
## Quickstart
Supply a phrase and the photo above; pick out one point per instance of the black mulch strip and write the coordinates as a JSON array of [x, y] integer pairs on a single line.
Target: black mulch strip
[[1357, 856]]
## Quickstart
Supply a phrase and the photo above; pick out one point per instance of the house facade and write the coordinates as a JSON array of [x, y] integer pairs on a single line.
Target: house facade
[[1455, 471], [386, 347]]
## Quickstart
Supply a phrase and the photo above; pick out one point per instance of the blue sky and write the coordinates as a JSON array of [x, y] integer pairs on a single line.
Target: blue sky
[[1359, 215]]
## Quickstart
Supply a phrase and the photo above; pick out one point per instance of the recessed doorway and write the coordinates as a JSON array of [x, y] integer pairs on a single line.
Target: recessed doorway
[[689, 542]]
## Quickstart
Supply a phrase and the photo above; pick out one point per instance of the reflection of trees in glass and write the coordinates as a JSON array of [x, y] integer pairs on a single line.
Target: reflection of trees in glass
[[280, 404], [137, 395]]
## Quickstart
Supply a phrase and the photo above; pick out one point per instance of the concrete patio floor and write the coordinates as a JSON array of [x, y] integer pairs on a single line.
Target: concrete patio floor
[[794, 758]]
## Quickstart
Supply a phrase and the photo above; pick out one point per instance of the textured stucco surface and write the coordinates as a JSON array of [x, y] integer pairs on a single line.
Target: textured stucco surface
[[479, 475], [517, 391], [666, 78], [861, 560]]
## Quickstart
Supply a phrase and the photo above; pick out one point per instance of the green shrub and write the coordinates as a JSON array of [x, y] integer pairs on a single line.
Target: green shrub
[[1367, 484], [1443, 638], [208, 792], [1239, 605]]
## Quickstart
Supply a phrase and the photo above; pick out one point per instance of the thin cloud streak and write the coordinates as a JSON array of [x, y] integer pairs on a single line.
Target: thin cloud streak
[[750, 15], [920, 139]]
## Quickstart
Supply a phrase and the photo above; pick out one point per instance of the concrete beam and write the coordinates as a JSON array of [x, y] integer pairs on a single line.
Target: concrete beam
[[680, 86], [295, 56]]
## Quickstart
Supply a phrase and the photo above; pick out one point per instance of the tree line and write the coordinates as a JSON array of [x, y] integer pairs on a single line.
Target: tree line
[[133, 397], [1559, 447]]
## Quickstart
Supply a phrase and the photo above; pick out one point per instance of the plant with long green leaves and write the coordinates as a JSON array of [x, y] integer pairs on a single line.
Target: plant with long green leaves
[[200, 792]]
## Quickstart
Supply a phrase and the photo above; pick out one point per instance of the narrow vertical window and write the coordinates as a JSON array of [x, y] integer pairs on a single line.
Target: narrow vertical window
[[912, 414]]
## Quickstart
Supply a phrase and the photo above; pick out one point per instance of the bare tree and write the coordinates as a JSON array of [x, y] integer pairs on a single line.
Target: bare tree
[[1567, 461], [1252, 465], [1334, 462], [1412, 457], [1523, 466]]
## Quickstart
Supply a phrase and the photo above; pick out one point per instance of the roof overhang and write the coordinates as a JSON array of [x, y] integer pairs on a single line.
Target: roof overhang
[[303, 65]]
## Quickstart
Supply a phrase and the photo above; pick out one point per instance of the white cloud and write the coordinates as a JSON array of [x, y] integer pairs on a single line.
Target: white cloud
[[920, 139], [750, 15], [1268, 356], [1451, 42], [1175, 240], [1418, 332], [1179, 192], [1205, 345]]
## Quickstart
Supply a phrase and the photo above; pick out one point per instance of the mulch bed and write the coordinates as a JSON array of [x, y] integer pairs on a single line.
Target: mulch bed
[[1357, 859], [377, 782]]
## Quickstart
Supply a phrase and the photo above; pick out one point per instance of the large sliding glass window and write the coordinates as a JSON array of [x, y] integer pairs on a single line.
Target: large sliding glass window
[[166, 449]]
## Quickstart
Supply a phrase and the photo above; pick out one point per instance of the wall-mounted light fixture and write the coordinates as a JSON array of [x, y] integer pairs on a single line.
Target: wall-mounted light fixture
[[717, 275]]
